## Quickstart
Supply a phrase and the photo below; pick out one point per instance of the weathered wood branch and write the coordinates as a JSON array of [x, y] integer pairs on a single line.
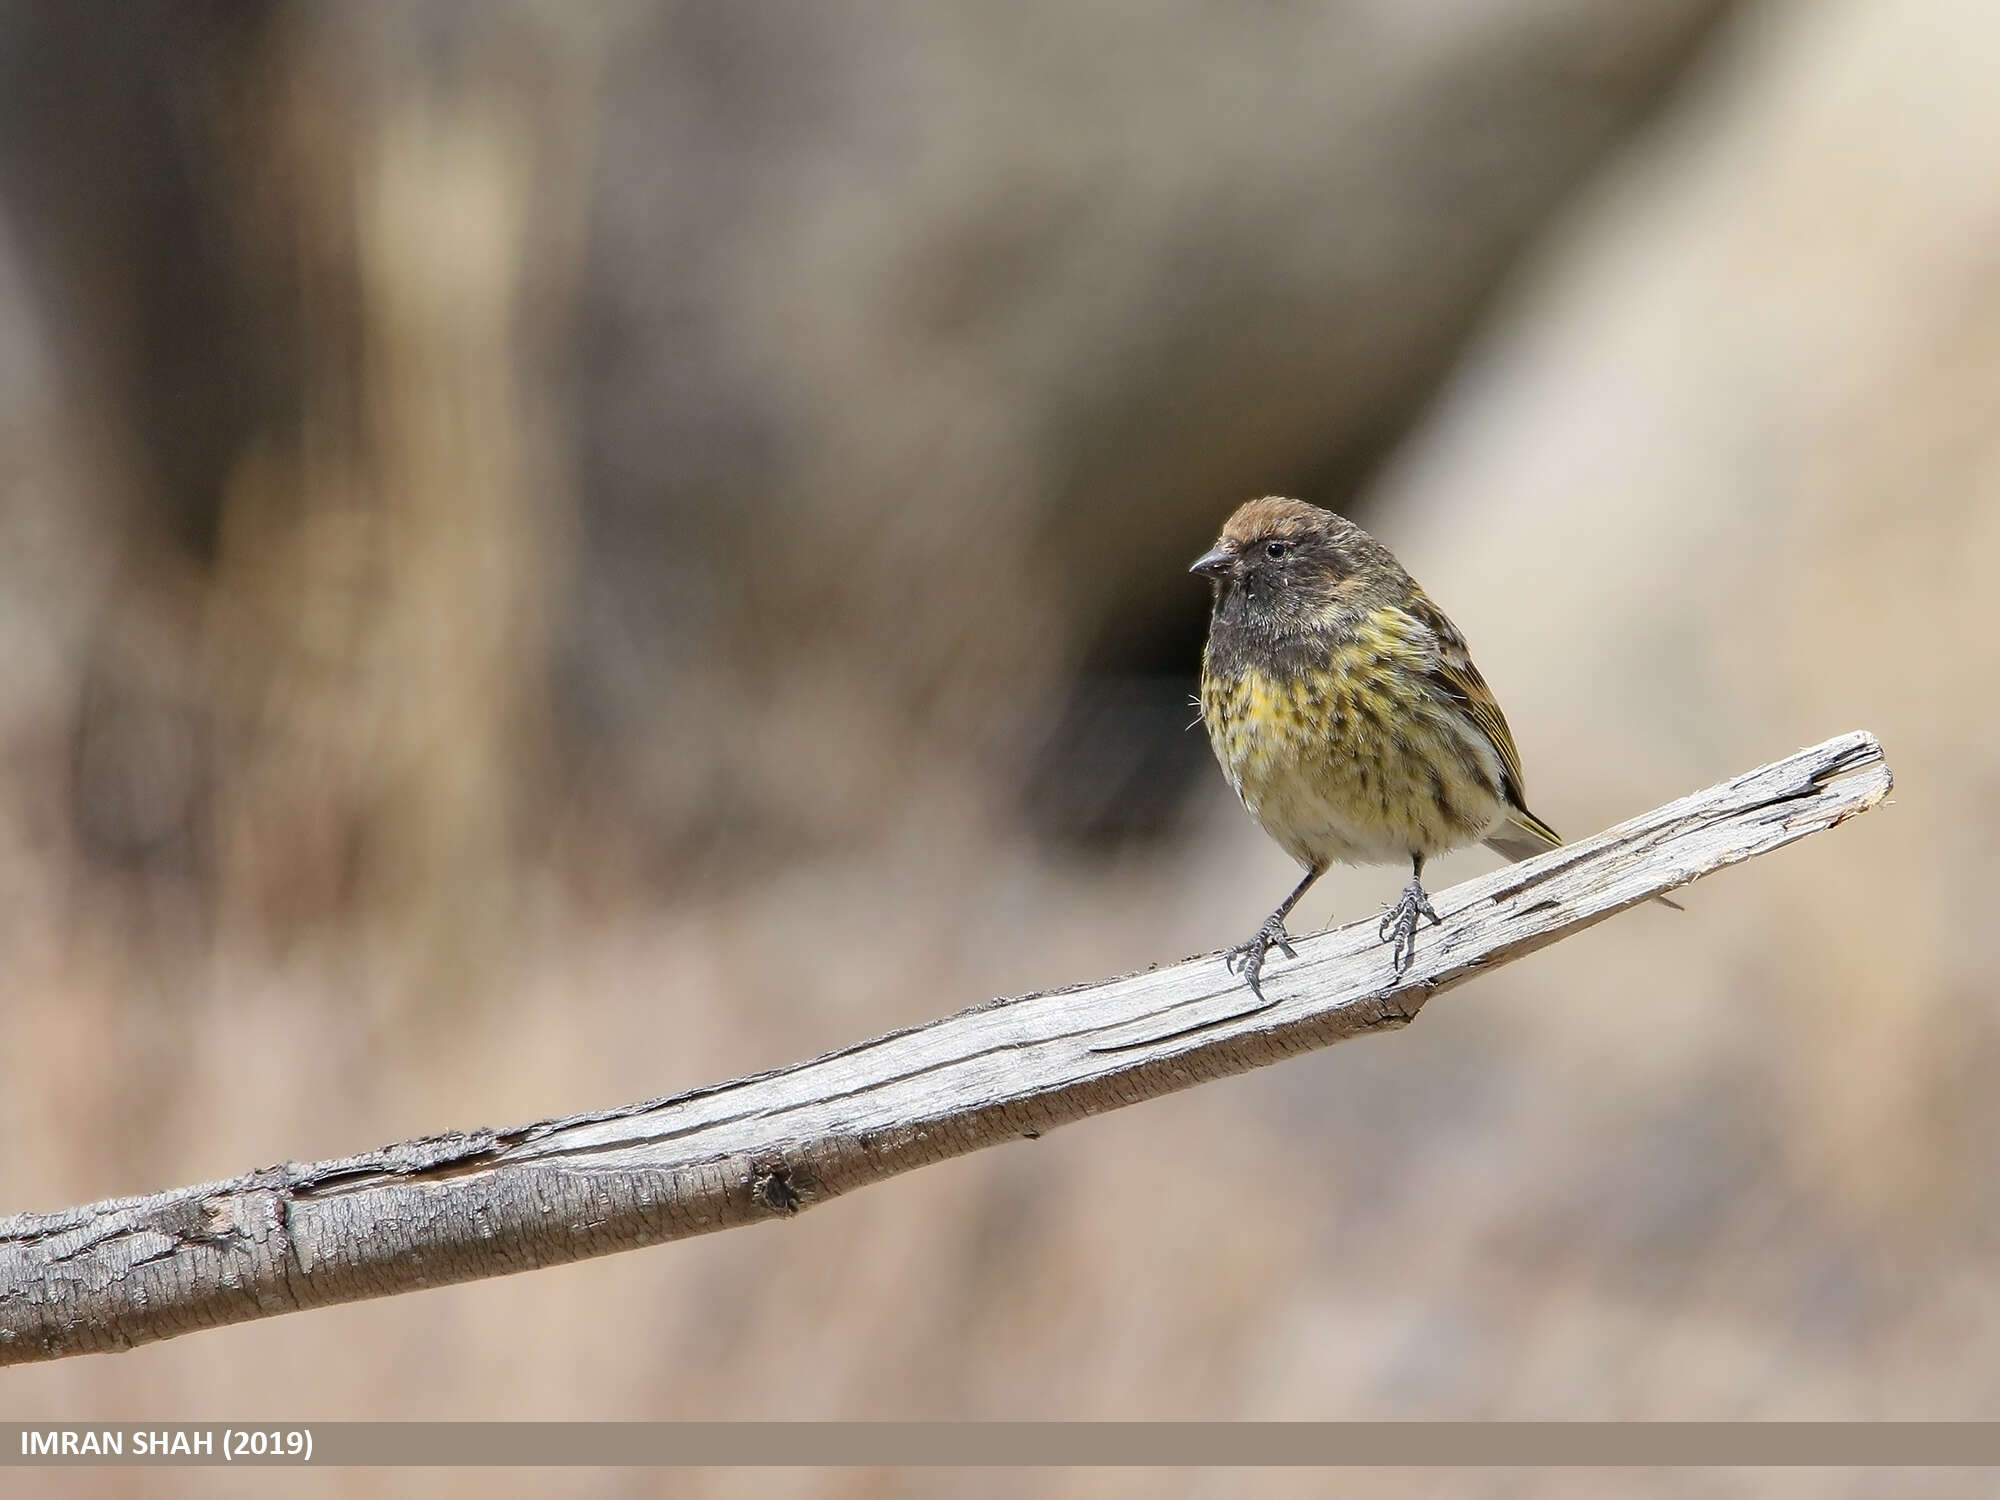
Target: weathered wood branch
[[486, 1202]]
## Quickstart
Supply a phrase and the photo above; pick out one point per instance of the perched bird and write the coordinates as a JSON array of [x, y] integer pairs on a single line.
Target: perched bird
[[1347, 713]]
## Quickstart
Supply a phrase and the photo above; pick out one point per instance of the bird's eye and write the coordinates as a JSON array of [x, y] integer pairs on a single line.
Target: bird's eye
[[1276, 550]]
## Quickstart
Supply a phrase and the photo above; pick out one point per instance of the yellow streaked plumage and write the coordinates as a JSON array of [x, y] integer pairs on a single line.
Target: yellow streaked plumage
[[1350, 764], [1347, 713]]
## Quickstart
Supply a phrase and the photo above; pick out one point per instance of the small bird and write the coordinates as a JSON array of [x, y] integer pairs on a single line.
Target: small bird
[[1346, 711]]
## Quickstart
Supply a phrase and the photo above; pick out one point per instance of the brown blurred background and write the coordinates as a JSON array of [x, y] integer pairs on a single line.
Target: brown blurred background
[[551, 554]]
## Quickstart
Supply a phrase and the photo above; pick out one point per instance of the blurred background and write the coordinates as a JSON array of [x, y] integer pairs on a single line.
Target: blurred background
[[553, 554]]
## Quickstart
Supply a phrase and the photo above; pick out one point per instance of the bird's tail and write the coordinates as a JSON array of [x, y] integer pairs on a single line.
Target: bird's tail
[[1524, 836]]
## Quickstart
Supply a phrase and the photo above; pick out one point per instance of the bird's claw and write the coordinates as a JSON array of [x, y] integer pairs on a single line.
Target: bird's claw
[[1249, 956], [1399, 925]]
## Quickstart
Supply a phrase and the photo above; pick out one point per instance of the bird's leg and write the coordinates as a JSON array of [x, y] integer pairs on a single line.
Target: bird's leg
[[1399, 922], [1271, 935]]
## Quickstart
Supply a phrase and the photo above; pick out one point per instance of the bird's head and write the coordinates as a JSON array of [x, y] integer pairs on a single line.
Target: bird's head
[[1285, 560]]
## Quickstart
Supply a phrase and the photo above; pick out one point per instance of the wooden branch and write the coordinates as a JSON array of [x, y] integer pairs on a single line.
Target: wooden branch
[[486, 1202]]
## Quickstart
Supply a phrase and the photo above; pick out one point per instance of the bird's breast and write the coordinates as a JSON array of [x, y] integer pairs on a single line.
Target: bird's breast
[[1355, 758]]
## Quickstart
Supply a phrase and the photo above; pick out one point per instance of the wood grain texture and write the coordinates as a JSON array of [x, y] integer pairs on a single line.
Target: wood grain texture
[[485, 1202]]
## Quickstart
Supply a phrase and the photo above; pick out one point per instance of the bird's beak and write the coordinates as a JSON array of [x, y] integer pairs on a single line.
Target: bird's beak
[[1213, 563]]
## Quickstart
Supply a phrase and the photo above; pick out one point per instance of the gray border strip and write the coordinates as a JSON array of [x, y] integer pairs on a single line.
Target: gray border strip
[[1026, 1444]]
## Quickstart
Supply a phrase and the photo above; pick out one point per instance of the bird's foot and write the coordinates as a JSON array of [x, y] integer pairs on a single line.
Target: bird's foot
[[1250, 956], [1399, 924]]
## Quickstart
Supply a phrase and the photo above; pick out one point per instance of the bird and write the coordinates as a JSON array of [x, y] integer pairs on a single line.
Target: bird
[[1345, 710]]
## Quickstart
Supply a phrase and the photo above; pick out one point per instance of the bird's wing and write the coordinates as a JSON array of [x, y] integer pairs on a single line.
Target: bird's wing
[[1459, 680], [1525, 835]]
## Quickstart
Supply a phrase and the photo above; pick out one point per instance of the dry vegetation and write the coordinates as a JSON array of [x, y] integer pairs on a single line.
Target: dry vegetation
[[539, 558]]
